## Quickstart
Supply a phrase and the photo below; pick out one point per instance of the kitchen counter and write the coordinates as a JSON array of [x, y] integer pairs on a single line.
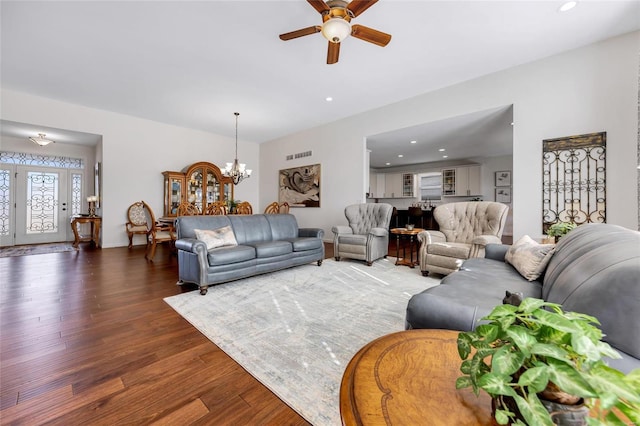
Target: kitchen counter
[[400, 218]]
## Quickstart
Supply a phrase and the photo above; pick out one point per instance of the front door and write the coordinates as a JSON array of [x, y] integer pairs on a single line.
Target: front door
[[42, 207]]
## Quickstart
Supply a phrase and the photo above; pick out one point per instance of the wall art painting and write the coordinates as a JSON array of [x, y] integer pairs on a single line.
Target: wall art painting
[[503, 195], [300, 186], [503, 178]]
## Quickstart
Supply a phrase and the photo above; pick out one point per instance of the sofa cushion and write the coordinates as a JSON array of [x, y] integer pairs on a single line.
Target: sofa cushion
[[230, 254], [249, 229], [186, 225], [459, 250], [304, 244], [272, 248], [529, 258], [465, 296], [596, 271], [283, 226], [216, 237]]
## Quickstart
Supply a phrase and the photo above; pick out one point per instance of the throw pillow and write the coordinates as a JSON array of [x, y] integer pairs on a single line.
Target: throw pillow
[[529, 258], [217, 237]]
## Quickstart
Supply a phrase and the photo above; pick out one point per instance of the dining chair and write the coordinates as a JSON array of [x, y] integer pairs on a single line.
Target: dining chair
[[187, 209], [159, 233], [275, 208], [137, 222], [244, 207], [217, 208]]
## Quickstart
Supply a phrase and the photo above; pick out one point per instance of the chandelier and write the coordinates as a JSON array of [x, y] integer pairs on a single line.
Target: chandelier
[[236, 171], [41, 140]]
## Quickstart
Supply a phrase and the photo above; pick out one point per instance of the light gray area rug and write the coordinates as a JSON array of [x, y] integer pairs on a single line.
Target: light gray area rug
[[296, 330]]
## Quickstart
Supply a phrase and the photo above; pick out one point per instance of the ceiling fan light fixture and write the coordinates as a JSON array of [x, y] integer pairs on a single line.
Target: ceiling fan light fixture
[[41, 140], [336, 29]]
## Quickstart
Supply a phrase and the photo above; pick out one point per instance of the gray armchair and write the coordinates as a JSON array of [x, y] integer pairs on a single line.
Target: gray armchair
[[465, 229], [367, 236]]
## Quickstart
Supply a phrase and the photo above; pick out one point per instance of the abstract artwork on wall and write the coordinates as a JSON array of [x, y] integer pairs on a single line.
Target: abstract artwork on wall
[[300, 186], [574, 179]]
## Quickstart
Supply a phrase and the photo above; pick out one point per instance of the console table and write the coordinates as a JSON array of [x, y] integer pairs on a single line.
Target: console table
[[409, 378], [94, 235]]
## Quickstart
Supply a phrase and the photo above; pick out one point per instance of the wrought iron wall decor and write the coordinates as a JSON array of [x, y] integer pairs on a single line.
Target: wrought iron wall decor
[[574, 179]]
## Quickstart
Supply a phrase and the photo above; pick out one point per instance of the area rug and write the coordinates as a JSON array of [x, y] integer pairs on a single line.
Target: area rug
[[296, 330], [36, 249]]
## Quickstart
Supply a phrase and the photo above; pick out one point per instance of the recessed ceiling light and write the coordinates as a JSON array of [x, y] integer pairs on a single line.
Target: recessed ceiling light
[[445, 156], [512, 123], [568, 6], [400, 155], [414, 141], [328, 99], [442, 150], [388, 164]]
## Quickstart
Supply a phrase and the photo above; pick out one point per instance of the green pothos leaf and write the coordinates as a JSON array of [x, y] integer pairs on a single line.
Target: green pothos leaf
[[496, 384], [533, 411], [505, 361]]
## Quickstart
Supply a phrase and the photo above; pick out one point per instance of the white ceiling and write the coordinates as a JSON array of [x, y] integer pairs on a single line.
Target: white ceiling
[[193, 64], [481, 134]]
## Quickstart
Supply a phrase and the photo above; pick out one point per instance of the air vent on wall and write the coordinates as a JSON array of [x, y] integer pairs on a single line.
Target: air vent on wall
[[299, 155]]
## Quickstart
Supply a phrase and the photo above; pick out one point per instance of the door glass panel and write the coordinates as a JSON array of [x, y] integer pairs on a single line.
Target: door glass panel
[[76, 193], [5, 202], [42, 203]]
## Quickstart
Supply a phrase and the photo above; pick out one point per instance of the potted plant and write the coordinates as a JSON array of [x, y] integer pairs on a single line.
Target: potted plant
[[535, 351], [559, 229], [231, 205]]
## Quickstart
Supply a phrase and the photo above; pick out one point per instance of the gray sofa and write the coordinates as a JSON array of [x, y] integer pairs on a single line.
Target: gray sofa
[[266, 243], [595, 269]]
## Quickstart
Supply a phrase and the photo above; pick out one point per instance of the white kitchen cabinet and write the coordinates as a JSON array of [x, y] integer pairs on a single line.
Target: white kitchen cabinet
[[393, 185], [461, 181], [408, 185]]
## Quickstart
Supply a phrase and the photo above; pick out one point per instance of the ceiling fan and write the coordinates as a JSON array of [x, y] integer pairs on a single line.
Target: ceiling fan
[[336, 18]]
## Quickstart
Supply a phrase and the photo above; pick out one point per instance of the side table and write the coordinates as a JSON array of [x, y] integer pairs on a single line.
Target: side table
[[409, 378], [93, 237], [410, 234]]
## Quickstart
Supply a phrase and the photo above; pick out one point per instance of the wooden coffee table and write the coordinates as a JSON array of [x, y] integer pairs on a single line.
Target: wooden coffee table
[[410, 234], [409, 378]]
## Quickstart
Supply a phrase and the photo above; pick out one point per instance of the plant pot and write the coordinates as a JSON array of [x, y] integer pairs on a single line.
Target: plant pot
[[567, 415], [561, 414]]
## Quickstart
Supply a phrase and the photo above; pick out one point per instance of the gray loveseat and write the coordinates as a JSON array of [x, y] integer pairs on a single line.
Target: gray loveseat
[[266, 243], [595, 270]]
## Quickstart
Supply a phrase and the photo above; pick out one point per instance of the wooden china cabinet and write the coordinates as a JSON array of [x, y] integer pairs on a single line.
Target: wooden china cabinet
[[200, 184]]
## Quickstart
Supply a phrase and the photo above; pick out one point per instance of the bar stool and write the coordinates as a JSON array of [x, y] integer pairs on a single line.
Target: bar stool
[[416, 212]]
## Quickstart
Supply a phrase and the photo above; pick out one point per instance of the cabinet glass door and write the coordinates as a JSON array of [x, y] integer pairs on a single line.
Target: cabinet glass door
[[194, 189], [213, 188]]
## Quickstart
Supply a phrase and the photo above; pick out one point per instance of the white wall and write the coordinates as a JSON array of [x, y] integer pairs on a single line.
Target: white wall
[[134, 154], [586, 90]]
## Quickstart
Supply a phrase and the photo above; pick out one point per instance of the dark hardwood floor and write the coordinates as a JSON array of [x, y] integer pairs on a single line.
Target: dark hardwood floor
[[86, 338]]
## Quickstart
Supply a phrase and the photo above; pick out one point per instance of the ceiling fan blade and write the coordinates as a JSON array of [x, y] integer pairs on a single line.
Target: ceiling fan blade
[[370, 35], [300, 33], [333, 53], [320, 5], [358, 6]]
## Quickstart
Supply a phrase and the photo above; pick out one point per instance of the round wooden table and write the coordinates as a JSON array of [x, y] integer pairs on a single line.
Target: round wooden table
[[409, 378], [410, 234]]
